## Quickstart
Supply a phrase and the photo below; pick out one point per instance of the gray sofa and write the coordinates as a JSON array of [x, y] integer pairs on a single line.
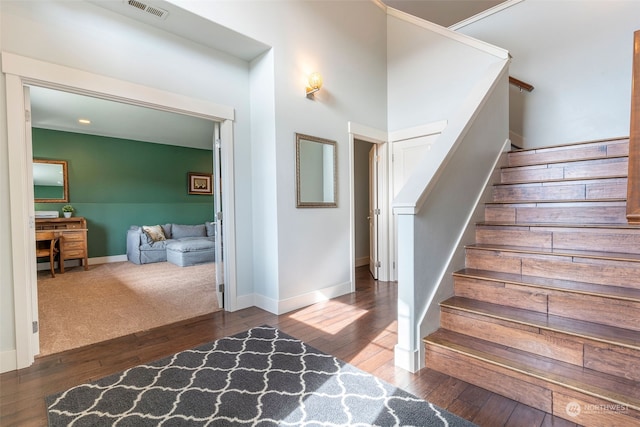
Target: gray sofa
[[185, 245]]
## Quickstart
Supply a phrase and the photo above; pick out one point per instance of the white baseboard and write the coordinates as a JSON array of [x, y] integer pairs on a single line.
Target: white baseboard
[[284, 306], [92, 261], [107, 259], [268, 304], [8, 361], [362, 261], [293, 303]]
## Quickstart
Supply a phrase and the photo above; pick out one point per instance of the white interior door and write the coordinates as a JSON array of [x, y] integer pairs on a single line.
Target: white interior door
[[217, 197], [374, 211], [35, 320]]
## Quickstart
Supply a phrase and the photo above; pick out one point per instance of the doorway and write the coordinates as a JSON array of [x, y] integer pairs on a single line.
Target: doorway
[[116, 162], [21, 72], [366, 205], [370, 210]]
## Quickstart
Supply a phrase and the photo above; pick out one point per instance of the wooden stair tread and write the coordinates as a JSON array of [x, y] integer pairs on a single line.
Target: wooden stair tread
[[568, 181], [556, 201], [568, 160], [616, 256], [571, 144], [621, 226], [614, 292], [550, 180], [580, 328], [604, 386]]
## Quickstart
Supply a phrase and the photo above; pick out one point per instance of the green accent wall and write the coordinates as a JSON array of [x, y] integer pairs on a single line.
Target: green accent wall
[[115, 183]]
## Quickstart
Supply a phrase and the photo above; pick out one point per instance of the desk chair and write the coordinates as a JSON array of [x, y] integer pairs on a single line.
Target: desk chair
[[46, 247]]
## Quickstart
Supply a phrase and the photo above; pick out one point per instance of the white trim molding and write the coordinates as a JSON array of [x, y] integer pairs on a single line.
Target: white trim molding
[[475, 18], [33, 71]]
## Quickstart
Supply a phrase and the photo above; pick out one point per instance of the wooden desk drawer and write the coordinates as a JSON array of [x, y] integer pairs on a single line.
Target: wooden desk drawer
[[70, 236], [68, 246], [75, 253]]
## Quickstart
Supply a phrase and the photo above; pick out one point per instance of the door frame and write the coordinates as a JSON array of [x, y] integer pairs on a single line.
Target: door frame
[[374, 222], [379, 137], [20, 72]]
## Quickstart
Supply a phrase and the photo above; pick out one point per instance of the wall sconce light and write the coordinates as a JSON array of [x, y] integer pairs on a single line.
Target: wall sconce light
[[315, 83]]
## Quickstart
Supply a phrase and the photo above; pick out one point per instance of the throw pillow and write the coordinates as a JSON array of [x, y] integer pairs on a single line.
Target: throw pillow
[[155, 232]]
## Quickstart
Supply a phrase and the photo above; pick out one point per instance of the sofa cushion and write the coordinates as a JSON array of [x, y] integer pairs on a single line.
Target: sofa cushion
[[179, 231], [190, 245], [160, 245], [154, 232]]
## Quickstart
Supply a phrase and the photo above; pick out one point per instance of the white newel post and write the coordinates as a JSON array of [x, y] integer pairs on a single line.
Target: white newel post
[[406, 351]]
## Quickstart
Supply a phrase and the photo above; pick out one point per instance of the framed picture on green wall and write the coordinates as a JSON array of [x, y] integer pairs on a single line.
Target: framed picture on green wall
[[200, 183]]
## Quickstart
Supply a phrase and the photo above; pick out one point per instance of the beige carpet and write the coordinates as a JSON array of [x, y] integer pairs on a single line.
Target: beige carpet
[[81, 307]]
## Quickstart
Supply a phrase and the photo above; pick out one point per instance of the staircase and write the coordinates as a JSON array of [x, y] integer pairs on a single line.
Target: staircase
[[547, 310]]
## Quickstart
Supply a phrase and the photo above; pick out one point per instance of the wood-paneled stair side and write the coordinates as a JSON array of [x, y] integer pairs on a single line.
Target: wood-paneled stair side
[[547, 308]]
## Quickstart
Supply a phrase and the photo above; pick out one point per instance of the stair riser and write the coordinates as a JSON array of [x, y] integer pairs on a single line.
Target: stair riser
[[525, 389], [566, 153], [622, 314], [616, 167], [501, 293], [615, 188], [583, 352], [557, 238], [614, 213], [493, 378], [521, 337], [593, 413], [601, 309], [613, 360], [602, 272]]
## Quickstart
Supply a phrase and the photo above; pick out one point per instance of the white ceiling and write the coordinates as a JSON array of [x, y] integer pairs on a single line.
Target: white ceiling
[[443, 12], [53, 109], [57, 110]]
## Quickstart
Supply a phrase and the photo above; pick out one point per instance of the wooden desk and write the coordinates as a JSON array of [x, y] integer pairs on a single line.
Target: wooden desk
[[73, 244]]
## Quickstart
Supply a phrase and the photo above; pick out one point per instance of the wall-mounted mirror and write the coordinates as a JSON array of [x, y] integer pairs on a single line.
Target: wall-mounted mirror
[[316, 176], [50, 181]]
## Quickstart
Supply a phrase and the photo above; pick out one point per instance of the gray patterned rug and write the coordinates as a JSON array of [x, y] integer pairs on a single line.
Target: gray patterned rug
[[259, 377]]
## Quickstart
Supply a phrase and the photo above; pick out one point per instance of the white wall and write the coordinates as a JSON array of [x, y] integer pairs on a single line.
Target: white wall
[[345, 42], [84, 36], [429, 73], [264, 186], [578, 56]]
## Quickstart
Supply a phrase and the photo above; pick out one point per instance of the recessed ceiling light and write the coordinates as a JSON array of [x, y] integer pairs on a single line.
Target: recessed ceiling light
[[84, 121]]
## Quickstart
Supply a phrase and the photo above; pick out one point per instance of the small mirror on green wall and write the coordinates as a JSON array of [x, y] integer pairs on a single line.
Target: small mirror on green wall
[[50, 181]]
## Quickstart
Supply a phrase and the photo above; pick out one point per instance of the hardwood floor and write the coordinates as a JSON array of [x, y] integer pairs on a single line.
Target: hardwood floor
[[359, 328]]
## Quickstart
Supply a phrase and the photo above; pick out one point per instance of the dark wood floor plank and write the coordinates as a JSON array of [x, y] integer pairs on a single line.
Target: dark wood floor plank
[[524, 415], [496, 412], [359, 328]]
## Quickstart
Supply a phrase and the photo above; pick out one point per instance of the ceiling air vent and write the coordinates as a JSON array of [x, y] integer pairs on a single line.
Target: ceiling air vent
[[155, 11]]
